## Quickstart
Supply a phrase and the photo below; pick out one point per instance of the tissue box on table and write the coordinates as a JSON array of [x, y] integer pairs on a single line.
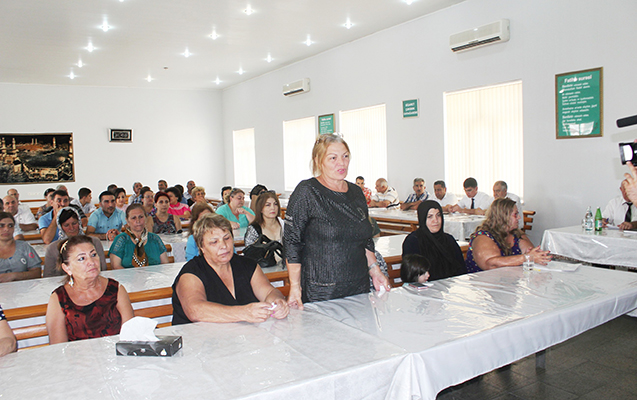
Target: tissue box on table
[[166, 346]]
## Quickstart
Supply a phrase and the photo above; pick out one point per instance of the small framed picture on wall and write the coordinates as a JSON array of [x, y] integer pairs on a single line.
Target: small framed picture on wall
[[121, 135]]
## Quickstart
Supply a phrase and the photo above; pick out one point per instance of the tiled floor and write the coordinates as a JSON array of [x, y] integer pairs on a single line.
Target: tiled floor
[[598, 364]]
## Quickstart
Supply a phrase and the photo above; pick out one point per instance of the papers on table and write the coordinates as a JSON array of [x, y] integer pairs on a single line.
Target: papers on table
[[557, 266]]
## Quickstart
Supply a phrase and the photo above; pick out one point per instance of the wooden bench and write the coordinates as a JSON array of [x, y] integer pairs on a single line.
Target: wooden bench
[[528, 220]]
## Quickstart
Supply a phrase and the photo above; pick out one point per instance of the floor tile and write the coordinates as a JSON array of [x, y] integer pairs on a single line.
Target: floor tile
[[542, 391]]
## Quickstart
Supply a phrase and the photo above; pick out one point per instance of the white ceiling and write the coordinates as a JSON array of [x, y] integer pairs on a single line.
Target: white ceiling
[[41, 41]]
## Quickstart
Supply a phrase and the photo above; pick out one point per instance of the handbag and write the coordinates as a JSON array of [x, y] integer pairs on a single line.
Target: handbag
[[263, 250]]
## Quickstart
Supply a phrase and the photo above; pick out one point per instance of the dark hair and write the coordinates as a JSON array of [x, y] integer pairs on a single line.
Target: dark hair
[[181, 189], [223, 189], [49, 190], [441, 183], [360, 177], [83, 192], [64, 249], [111, 188], [61, 193], [143, 190], [160, 194], [118, 191], [174, 191], [470, 183], [258, 189], [134, 206], [260, 203], [197, 209], [106, 193], [67, 214], [4, 215], [412, 266]]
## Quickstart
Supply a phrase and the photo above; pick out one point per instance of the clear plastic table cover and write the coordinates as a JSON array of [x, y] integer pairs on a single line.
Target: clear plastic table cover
[[306, 356], [610, 247], [458, 225], [468, 325]]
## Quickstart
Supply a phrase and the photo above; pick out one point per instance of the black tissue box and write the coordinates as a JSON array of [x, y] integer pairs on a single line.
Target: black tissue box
[[166, 346]]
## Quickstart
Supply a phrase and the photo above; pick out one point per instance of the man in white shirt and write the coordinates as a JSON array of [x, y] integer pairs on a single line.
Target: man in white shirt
[[500, 191], [419, 195], [475, 202], [14, 192], [620, 211], [85, 201], [24, 220], [445, 199], [385, 196]]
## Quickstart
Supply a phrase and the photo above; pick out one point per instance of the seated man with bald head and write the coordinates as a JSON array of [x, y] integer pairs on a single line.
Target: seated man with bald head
[[385, 197], [23, 216], [500, 191]]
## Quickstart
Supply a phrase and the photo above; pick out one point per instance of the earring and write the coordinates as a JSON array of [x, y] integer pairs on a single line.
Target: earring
[[71, 280]]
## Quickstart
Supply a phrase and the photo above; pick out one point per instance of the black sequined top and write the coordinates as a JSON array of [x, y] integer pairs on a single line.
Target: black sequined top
[[327, 232]]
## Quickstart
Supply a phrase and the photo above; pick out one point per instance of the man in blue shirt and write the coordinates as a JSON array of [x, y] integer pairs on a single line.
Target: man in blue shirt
[[48, 222], [106, 222], [419, 195]]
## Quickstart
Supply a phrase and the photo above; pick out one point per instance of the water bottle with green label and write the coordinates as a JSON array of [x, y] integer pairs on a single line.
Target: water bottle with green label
[[598, 220]]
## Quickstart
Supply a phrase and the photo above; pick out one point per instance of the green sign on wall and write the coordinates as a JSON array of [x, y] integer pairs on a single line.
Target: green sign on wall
[[578, 104], [410, 108], [326, 124]]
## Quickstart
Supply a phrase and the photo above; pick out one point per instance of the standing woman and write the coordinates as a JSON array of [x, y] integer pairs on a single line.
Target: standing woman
[[328, 237], [267, 220], [238, 215], [176, 206], [87, 305], [162, 221], [136, 247], [121, 202], [430, 241]]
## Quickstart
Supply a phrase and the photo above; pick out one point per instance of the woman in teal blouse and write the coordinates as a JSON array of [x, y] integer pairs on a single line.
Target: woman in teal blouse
[[238, 215], [136, 247]]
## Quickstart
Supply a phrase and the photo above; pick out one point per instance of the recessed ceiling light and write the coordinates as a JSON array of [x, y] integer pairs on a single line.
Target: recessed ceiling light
[[217, 81], [149, 78], [268, 58], [409, 2], [72, 75], [187, 53], [348, 24], [105, 26], [90, 47], [80, 63], [214, 35], [248, 10], [241, 71], [308, 41]]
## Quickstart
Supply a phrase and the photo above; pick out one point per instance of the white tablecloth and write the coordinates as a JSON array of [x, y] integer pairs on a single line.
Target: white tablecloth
[[610, 247], [460, 226]]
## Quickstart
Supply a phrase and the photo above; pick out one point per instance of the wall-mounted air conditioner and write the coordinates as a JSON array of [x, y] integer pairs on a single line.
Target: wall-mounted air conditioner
[[496, 32], [298, 87]]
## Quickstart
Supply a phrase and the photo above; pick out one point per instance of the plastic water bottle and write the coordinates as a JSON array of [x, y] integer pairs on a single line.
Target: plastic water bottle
[[589, 225]]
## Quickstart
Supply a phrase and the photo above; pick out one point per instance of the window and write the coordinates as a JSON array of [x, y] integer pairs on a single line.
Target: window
[[298, 139], [365, 131], [483, 137], [245, 169]]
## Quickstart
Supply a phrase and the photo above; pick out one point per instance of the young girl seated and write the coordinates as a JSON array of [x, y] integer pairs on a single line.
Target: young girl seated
[[414, 268]]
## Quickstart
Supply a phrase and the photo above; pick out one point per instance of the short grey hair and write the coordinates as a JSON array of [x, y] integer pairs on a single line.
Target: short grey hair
[[382, 181], [502, 184], [419, 180]]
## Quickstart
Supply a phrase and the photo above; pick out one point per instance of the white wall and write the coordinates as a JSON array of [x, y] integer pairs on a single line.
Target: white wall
[[176, 134], [548, 37]]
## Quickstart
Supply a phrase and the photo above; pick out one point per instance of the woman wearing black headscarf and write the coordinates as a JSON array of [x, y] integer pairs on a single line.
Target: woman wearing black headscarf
[[430, 240]]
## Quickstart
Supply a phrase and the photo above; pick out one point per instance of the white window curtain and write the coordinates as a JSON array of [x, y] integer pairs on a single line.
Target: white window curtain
[[245, 170], [365, 131], [484, 137], [298, 139]]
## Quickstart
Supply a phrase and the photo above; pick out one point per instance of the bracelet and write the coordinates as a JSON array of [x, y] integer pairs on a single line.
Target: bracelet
[[372, 266]]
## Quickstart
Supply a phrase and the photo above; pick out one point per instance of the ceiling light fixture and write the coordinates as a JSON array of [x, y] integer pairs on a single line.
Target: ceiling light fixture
[[80, 63], [187, 53], [308, 42], [90, 47], [217, 81], [268, 58], [214, 35], [72, 75], [248, 10], [241, 71], [409, 2], [348, 24], [149, 79], [105, 27]]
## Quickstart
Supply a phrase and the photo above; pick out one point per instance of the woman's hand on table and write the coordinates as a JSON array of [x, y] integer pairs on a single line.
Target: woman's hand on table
[[379, 279], [540, 256], [280, 310], [257, 312], [294, 297]]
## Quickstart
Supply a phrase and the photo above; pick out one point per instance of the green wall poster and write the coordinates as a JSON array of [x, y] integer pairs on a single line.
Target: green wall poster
[[579, 104], [410, 108], [326, 124]]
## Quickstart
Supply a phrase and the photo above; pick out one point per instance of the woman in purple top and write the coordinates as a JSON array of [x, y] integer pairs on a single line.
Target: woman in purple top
[[499, 243]]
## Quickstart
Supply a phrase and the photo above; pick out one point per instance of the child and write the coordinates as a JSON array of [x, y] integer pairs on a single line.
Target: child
[[414, 268]]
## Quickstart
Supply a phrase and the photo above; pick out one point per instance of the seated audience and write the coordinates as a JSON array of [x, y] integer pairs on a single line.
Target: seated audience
[[106, 222], [48, 206], [162, 221], [87, 305], [225, 194], [111, 188], [419, 195], [198, 196], [24, 217], [8, 343], [360, 182], [475, 202], [148, 202], [188, 195], [176, 207], [414, 268], [198, 210], [136, 196], [120, 199], [69, 222], [235, 212], [136, 247], [181, 194], [48, 222], [620, 211], [254, 193], [220, 286], [444, 198], [18, 260], [267, 221], [162, 185], [500, 191], [385, 197], [11, 206], [85, 201], [430, 240], [498, 242]]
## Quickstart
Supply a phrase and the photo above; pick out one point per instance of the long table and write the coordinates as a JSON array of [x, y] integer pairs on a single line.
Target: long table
[[609, 247], [394, 346]]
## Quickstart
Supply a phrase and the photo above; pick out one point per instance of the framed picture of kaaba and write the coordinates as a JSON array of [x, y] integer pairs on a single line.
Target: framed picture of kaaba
[[36, 157]]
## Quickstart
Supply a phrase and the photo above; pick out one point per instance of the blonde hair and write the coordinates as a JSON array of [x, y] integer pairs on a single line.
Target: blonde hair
[[320, 149], [196, 190], [497, 222], [208, 223]]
